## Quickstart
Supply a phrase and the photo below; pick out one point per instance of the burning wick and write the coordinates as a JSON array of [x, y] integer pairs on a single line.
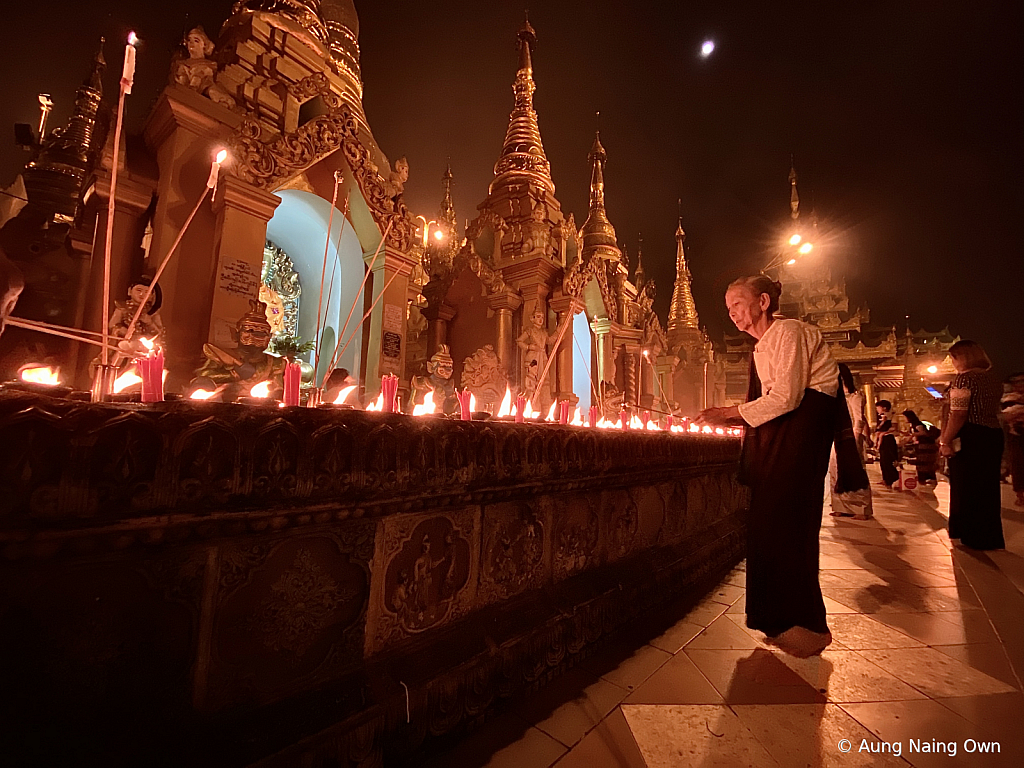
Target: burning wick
[[343, 395], [128, 73], [202, 394], [260, 390]]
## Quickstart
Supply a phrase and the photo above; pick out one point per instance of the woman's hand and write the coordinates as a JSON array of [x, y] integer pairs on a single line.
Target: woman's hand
[[720, 417], [946, 450]]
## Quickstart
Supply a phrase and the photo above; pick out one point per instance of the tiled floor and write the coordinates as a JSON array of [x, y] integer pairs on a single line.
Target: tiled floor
[[928, 658]]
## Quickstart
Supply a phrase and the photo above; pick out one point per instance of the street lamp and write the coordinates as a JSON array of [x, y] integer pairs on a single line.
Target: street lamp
[[426, 230], [786, 256]]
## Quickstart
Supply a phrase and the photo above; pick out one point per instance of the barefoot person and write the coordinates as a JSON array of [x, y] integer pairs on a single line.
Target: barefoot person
[[790, 413]]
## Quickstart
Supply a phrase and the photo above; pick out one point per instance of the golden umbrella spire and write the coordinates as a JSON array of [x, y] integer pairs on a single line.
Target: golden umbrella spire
[[597, 230], [447, 206], [683, 311], [522, 155]]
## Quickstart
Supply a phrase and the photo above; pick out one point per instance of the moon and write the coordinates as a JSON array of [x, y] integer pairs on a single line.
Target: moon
[[707, 48]]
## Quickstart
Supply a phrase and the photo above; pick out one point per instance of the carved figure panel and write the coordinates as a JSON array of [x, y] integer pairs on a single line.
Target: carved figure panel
[[485, 376], [428, 561], [123, 463], [623, 521], [207, 463], [34, 450], [289, 612], [276, 456], [332, 459], [651, 512], [513, 551]]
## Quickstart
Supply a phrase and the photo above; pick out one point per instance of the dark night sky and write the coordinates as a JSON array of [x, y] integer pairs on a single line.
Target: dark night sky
[[905, 120]]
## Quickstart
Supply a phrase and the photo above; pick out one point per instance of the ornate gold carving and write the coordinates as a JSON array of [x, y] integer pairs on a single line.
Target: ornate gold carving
[[266, 164], [280, 285]]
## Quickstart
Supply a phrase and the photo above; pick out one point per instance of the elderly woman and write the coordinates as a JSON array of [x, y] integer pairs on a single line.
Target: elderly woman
[[791, 414], [972, 440]]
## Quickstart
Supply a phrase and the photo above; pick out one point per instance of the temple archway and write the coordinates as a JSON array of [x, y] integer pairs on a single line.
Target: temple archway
[[299, 228], [582, 357]]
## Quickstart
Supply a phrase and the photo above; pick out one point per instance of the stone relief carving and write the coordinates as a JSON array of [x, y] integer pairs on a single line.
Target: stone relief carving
[[513, 549], [300, 605], [484, 375], [280, 291]]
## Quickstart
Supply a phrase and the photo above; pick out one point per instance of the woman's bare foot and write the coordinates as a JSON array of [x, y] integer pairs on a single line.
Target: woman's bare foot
[[802, 642]]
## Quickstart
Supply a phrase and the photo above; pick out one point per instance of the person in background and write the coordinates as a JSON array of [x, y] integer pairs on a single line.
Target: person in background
[[791, 413], [1012, 404], [972, 441], [848, 481], [926, 455], [885, 444], [336, 382]]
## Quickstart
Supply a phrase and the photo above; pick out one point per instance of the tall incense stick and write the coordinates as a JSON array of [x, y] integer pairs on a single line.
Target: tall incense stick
[[44, 328], [323, 270], [127, 77], [359, 295], [330, 286], [366, 314], [558, 340], [211, 183]]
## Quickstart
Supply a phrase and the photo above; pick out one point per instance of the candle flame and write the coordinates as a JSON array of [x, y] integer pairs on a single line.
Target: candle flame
[[605, 424], [694, 428], [260, 390], [708, 431], [427, 407], [551, 412], [147, 343], [343, 395], [378, 404], [222, 156], [202, 394], [472, 403], [635, 422], [719, 431], [127, 379], [528, 412], [41, 375], [577, 419], [132, 38], [505, 409]]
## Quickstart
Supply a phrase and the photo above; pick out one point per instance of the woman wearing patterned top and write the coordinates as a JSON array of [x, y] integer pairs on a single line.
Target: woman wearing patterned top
[[972, 440], [791, 414]]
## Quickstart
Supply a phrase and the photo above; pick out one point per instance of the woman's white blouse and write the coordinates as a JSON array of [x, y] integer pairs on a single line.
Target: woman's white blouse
[[791, 356]]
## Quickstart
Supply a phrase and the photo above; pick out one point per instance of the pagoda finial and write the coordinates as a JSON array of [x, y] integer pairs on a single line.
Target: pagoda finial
[[640, 276], [794, 196], [682, 312], [522, 155], [597, 230], [99, 66]]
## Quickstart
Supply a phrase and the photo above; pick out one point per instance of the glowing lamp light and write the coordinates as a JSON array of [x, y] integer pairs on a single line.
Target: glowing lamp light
[[551, 411], [260, 390], [41, 375], [707, 48], [791, 262], [426, 408], [795, 240], [438, 234], [132, 38], [472, 403], [343, 395], [127, 379], [806, 248], [505, 409], [202, 394], [933, 369]]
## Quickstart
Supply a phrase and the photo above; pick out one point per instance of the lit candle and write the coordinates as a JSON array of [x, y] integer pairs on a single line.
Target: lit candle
[[592, 416], [215, 168], [389, 388], [520, 406], [151, 367], [624, 418], [128, 73]]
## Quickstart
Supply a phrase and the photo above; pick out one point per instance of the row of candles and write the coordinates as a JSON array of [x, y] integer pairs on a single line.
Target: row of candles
[[150, 373]]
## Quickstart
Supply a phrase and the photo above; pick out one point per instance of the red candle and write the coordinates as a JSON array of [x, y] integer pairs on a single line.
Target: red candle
[[592, 416], [520, 406], [668, 422], [389, 387], [292, 382], [563, 412], [151, 368], [646, 418], [624, 418], [464, 397]]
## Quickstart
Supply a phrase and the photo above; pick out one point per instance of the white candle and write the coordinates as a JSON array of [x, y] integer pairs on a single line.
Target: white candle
[[215, 168], [128, 73]]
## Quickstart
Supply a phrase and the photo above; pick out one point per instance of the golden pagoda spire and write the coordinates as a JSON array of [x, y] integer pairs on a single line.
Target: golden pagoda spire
[[640, 276], [522, 155], [597, 230], [794, 196], [683, 311]]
